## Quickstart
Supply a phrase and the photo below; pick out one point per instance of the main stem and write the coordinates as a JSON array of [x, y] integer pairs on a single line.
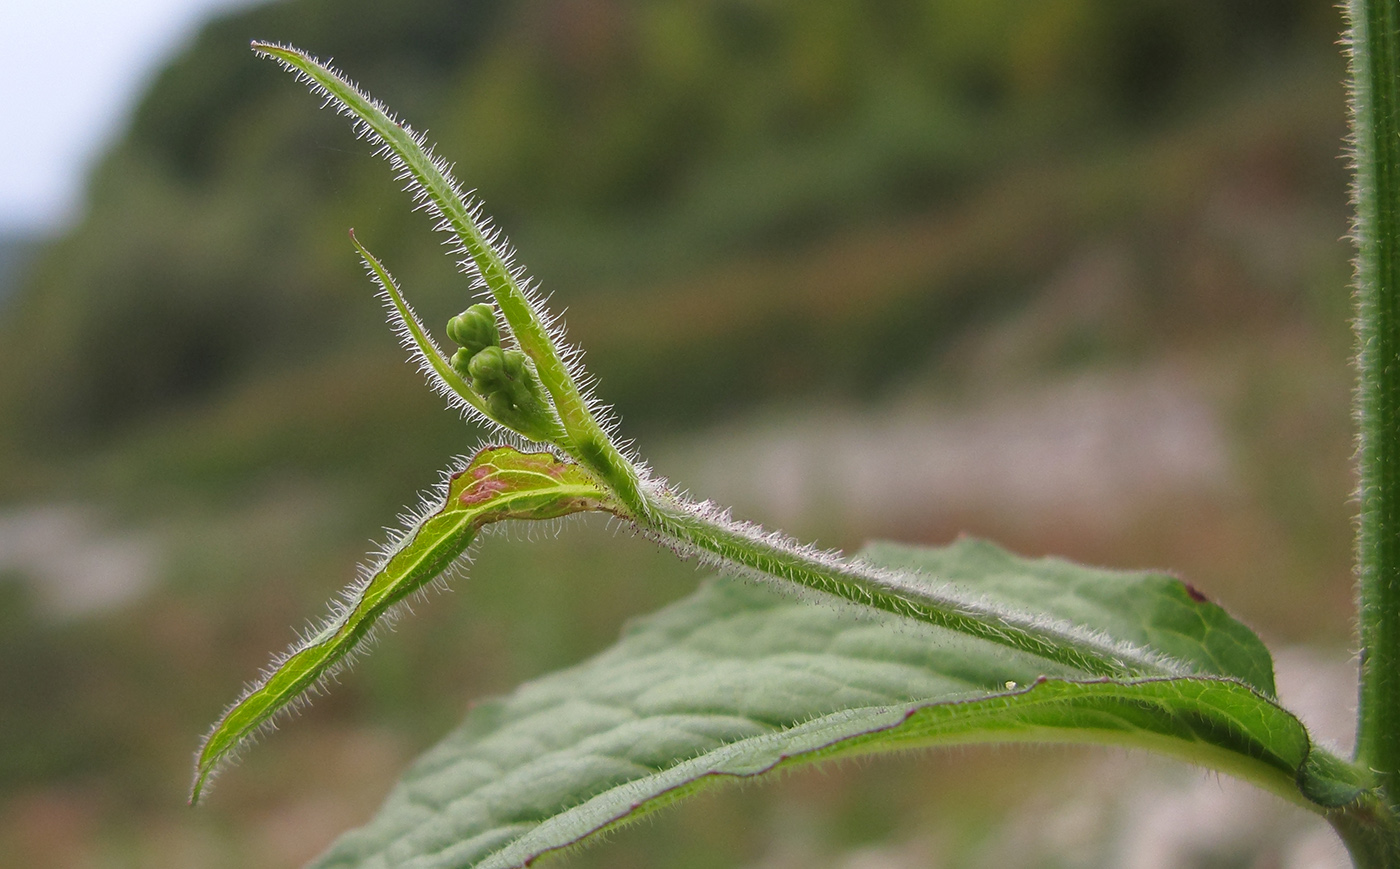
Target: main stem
[[1373, 833], [1375, 69]]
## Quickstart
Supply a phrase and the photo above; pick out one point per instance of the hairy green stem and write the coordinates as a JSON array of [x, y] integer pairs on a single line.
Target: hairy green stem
[[1375, 69], [753, 552], [1371, 833]]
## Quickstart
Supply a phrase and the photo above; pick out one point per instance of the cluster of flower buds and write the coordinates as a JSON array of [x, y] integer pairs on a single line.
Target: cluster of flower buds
[[504, 379]]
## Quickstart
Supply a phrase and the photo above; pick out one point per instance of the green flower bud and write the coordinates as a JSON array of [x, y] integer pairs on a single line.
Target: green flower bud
[[487, 370], [512, 393], [461, 362], [514, 366], [474, 329]]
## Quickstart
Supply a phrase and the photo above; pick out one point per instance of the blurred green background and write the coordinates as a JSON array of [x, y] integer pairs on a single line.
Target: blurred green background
[[1069, 274]]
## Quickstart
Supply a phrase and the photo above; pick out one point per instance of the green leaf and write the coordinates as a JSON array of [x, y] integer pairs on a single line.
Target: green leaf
[[737, 681], [443, 377], [1146, 609], [498, 483]]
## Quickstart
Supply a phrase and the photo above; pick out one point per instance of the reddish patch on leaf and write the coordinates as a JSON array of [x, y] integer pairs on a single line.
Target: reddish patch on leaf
[[1195, 593], [484, 490]]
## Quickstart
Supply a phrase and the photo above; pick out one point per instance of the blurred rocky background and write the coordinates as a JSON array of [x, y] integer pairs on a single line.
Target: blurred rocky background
[[1068, 274]]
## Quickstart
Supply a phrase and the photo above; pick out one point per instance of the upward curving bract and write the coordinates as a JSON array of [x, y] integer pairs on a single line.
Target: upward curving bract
[[498, 483]]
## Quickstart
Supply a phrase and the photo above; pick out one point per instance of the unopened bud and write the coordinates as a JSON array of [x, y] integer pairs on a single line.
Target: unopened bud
[[511, 391], [513, 366], [461, 362], [487, 369], [474, 329]]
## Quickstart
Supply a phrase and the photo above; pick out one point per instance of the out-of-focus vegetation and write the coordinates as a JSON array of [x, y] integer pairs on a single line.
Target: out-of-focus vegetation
[[864, 211]]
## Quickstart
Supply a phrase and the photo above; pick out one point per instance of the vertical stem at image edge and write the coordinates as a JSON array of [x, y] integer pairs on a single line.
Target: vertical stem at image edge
[[1376, 139], [1371, 833]]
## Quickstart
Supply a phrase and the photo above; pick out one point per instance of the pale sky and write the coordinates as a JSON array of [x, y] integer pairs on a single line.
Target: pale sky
[[70, 73]]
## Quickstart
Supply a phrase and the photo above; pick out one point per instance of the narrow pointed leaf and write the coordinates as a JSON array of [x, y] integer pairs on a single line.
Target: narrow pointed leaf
[[737, 681], [498, 483], [415, 337], [430, 180]]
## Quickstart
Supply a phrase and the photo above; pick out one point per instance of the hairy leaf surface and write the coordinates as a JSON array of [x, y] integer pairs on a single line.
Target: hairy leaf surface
[[1143, 608], [499, 483], [738, 680]]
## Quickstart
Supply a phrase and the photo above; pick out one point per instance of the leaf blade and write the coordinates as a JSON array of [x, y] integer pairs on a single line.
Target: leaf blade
[[737, 681], [499, 483], [1146, 608], [441, 375]]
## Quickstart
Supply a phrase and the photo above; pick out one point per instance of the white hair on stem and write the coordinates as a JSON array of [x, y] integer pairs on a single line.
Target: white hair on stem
[[768, 555], [472, 237]]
